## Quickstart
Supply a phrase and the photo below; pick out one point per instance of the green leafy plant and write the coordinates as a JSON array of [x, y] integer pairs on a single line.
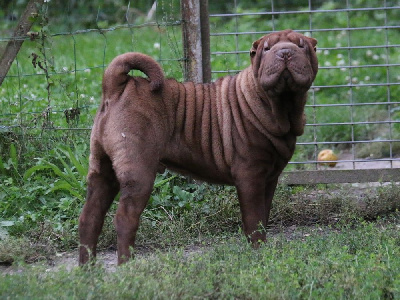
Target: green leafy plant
[[70, 170], [175, 192], [10, 167]]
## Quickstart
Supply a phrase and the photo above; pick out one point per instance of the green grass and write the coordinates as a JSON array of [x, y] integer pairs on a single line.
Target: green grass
[[354, 263], [322, 244]]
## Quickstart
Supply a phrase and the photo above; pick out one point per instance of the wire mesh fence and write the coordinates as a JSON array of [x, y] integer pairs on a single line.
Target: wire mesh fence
[[54, 86], [55, 81], [353, 107]]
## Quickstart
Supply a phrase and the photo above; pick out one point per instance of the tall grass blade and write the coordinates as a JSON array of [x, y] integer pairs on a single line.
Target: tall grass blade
[[14, 156], [77, 161], [2, 167]]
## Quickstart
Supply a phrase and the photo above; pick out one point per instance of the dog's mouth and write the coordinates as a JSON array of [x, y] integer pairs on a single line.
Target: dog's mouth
[[286, 75], [285, 83], [289, 82], [286, 80]]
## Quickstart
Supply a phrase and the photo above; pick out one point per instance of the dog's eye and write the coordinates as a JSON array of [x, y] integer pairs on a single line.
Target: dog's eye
[[301, 43]]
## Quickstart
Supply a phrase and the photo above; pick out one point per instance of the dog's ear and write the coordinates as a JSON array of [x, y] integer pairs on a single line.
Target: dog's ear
[[313, 57], [255, 56], [313, 43], [254, 47]]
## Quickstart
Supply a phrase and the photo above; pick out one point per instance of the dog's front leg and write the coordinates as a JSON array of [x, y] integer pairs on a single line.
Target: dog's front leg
[[255, 197], [251, 193]]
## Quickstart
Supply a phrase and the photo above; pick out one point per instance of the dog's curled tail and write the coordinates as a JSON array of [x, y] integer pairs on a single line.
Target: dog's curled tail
[[116, 74]]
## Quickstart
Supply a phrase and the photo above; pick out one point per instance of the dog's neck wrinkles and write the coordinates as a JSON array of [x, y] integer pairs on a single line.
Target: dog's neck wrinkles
[[271, 115], [267, 108], [265, 113]]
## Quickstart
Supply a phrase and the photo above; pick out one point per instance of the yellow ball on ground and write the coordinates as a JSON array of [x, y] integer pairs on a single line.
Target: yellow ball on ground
[[327, 155]]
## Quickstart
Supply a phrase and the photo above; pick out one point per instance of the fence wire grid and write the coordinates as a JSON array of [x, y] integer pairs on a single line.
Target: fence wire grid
[[54, 83], [353, 106]]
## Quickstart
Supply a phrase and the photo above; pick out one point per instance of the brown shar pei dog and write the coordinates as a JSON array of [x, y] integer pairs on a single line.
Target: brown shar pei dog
[[239, 130]]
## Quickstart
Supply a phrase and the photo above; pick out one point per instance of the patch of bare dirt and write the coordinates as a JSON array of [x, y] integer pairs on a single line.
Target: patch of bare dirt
[[69, 260]]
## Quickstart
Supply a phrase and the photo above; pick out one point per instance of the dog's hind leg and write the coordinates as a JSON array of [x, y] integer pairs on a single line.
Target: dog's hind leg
[[136, 185], [102, 189]]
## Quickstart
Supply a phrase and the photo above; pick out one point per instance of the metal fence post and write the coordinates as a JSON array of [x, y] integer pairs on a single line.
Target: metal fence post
[[196, 40]]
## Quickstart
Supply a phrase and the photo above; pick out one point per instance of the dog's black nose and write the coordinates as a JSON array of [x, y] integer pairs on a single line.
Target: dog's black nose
[[284, 53]]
